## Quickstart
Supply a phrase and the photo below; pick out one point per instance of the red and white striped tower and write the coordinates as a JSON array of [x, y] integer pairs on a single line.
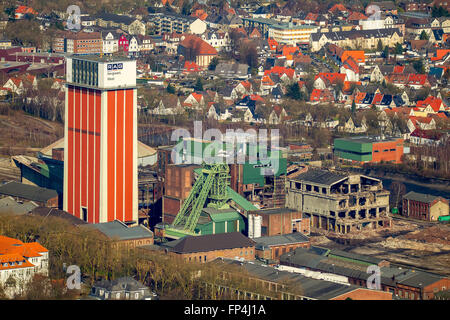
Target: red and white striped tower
[[100, 145]]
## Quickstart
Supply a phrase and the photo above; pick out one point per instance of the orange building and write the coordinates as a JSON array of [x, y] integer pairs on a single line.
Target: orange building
[[387, 151], [369, 149]]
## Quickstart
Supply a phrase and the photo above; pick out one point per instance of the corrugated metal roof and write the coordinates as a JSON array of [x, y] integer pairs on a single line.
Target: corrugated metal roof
[[296, 237], [26, 191], [118, 230], [210, 242], [310, 288], [421, 197]]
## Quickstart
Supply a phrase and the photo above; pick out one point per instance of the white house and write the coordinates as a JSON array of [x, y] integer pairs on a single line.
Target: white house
[[19, 261]]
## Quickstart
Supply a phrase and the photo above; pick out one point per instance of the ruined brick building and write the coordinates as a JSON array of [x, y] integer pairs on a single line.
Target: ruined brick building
[[339, 202]]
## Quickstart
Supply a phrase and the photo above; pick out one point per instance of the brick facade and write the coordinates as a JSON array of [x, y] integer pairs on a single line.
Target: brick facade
[[248, 253]]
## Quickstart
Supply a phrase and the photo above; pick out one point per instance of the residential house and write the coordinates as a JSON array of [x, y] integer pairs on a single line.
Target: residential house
[[194, 101], [125, 288], [232, 70], [129, 24], [277, 115], [365, 39], [168, 105], [351, 127], [426, 137], [20, 261]]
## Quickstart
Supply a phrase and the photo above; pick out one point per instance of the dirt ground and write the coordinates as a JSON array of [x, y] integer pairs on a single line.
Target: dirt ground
[[407, 243], [21, 133]]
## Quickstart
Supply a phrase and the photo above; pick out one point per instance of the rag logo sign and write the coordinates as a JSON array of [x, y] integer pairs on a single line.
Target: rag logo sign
[[115, 66]]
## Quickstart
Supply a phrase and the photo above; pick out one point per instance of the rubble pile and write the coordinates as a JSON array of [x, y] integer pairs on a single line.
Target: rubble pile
[[434, 234]]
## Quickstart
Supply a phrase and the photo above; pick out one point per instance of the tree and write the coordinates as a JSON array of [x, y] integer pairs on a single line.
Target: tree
[[10, 11], [170, 89], [424, 36], [398, 190], [293, 92], [248, 54], [213, 64], [353, 107], [198, 85], [380, 46], [398, 49], [386, 52], [418, 66]]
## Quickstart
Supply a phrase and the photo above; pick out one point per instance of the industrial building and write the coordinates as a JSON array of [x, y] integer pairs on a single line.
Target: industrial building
[[211, 207], [269, 249], [212, 246], [261, 183], [340, 202], [401, 282], [25, 192], [369, 149], [100, 145], [279, 221], [300, 287], [424, 206]]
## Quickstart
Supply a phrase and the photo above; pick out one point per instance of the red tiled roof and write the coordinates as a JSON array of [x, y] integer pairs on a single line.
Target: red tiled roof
[[417, 79], [360, 97], [13, 250], [399, 69], [321, 95], [356, 16], [25, 10], [255, 34], [247, 85], [351, 65], [272, 43], [266, 81], [377, 98], [197, 96], [199, 13], [420, 119], [440, 54], [427, 134], [332, 77], [201, 47], [338, 7], [280, 71], [434, 102], [311, 16], [191, 66]]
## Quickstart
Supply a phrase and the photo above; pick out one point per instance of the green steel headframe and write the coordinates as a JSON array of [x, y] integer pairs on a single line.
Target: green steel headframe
[[210, 189]]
